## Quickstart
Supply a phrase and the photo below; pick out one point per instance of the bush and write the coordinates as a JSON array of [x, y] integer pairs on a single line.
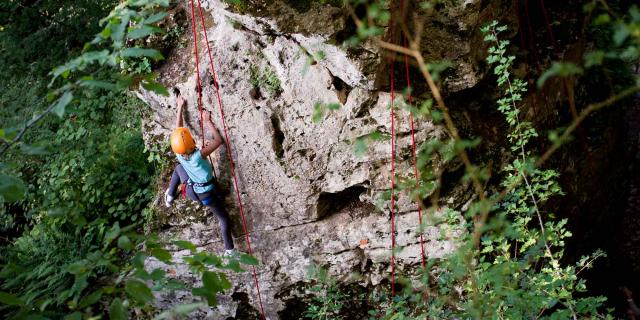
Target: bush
[[36, 265], [100, 170]]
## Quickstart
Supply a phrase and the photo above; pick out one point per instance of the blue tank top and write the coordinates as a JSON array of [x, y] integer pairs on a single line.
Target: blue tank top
[[198, 169]]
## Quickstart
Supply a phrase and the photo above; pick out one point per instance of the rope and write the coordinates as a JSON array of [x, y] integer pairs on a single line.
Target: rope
[[195, 42], [226, 136], [531, 36], [546, 20], [393, 173], [413, 149]]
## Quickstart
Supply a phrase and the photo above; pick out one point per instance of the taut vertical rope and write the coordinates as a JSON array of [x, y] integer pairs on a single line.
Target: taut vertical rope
[[226, 136], [413, 149]]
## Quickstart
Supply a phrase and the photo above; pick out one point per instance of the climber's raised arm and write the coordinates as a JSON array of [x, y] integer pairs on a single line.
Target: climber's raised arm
[[210, 145], [180, 103]]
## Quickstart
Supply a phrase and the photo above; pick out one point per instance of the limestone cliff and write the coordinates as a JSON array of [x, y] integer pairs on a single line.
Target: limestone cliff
[[308, 197]]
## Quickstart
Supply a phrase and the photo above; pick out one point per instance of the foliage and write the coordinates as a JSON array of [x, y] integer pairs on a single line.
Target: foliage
[[265, 78], [137, 66], [79, 188], [521, 244], [320, 109], [328, 300], [46, 252], [100, 171], [509, 263]]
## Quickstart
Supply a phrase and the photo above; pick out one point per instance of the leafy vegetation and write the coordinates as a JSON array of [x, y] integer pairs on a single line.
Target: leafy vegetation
[[329, 300], [266, 79], [76, 177], [510, 262]]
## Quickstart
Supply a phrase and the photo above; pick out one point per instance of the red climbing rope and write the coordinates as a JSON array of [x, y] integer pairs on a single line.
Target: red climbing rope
[[195, 41], [226, 136], [548, 23], [393, 175], [415, 158]]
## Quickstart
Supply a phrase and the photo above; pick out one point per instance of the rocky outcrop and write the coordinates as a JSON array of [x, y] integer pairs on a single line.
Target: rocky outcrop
[[308, 197]]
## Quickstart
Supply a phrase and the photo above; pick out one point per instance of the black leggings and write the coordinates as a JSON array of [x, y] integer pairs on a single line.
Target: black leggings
[[210, 199]]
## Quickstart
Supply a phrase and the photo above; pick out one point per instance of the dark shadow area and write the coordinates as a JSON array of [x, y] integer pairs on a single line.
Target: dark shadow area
[[278, 136], [245, 310], [329, 203]]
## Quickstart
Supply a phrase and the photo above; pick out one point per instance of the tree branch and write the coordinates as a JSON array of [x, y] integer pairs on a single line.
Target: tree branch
[[27, 127]]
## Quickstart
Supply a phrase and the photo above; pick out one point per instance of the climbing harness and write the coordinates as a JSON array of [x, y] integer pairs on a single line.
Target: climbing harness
[[224, 126], [198, 184], [190, 183]]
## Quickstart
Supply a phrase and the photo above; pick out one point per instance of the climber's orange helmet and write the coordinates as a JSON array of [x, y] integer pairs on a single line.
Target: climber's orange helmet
[[181, 141]]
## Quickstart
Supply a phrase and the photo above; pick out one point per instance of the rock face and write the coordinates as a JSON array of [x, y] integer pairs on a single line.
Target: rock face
[[308, 197]]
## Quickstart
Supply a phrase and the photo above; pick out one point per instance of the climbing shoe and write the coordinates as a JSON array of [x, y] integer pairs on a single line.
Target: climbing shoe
[[168, 199]]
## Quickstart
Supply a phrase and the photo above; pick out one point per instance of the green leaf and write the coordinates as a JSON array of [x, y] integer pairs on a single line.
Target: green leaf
[[77, 267], [138, 291], [91, 299], [142, 32], [112, 233], [155, 18], [185, 245], [621, 34], [155, 87], [138, 260], [8, 134], [333, 106], [142, 52], [62, 103], [118, 26], [559, 69], [162, 255], [224, 282], [211, 281], [106, 33], [9, 299], [99, 84], [174, 284], [12, 189], [249, 260], [117, 310], [203, 292], [318, 112], [125, 243], [34, 150], [157, 274], [234, 266], [360, 146]]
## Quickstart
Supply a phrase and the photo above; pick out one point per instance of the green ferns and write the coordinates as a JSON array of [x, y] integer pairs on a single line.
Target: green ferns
[[266, 79]]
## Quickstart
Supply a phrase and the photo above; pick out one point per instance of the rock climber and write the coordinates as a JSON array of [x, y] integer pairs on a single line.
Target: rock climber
[[195, 173]]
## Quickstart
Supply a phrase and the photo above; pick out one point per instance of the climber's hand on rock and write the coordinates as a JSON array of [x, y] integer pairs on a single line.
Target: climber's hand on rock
[[207, 116]]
